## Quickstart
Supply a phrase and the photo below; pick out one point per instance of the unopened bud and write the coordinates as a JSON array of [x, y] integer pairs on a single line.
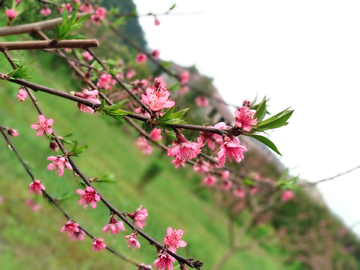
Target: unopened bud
[[247, 103], [12, 132], [54, 146]]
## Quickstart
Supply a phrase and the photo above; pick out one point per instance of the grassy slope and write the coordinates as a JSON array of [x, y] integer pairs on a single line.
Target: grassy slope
[[33, 240]]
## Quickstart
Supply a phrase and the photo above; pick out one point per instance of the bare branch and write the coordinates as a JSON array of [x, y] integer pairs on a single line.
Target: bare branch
[[44, 44]]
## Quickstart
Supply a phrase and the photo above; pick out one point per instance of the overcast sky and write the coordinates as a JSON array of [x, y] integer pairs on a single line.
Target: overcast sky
[[304, 54]]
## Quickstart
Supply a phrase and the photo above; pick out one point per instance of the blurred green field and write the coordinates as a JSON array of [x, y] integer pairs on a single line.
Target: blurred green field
[[176, 198]]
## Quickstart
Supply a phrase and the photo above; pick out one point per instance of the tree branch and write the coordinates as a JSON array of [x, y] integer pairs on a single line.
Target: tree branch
[[44, 44]]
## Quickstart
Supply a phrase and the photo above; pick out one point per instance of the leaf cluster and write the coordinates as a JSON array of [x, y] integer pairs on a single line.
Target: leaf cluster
[[114, 110], [68, 26]]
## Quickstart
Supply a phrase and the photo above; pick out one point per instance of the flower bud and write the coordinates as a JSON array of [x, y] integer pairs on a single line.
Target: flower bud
[[12, 132], [54, 146]]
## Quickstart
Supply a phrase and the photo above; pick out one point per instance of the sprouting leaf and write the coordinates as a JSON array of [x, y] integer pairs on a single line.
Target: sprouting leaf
[[172, 7], [105, 179], [68, 26], [167, 115], [261, 110], [21, 72], [279, 122], [171, 135], [77, 36], [266, 141]]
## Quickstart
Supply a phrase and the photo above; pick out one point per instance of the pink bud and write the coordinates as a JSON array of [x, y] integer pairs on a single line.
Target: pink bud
[[22, 94], [45, 11], [12, 132], [11, 14], [157, 22], [54, 146]]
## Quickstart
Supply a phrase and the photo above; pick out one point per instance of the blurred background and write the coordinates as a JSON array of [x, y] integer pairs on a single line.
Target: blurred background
[[304, 55]]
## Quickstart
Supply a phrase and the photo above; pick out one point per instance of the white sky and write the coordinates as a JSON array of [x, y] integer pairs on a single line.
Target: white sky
[[304, 54]]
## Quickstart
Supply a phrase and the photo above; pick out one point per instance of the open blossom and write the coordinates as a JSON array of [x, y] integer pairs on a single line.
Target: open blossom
[[87, 56], [67, 6], [147, 266], [144, 146], [45, 11], [70, 227], [183, 90], [159, 83], [226, 184], [155, 54], [164, 261], [141, 58], [201, 166], [98, 244], [210, 180], [88, 95], [201, 101], [182, 149], [157, 99], [59, 163], [86, 8], [173, 239], [138, 85], [77, 235], [139, 217], [12, 132], [34, 206], [239, 192], [21, 95], [225, 174], [287, 195], [207, 137], [36, 186], [99, 15], [140, 110], [231, 148], [244, 119], [43, 125], [132, 241], [11, 14], [178, 162], [104, 81], [114, 226], [88, 196], [155, 134], [219, 138], [130, 74], [184, 77]]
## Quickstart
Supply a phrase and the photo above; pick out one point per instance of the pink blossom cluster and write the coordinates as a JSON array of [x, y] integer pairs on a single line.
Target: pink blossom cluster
[[43, 125], [67, 6], [139, 217], [138, 85], [157, 99], [244, 119], [106, 81], [88, 196], [99, 15], [36, 186], [59, 164], [132, 241], [87, 56], [201, 101], [144, 146], [88, 95], [73, 230], [141, 58], [114, 226], [182, 149], [86, 7], [98, 244], [45, 11]]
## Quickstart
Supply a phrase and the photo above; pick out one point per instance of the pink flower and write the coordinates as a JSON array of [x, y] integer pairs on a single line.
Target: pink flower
[[157, 99], [184, 77], [147, 266], [155, 134], [11, 14], [87, 56], [98, 244], [54, 147], [253, 190], [156, 54], [130, 74], [67, 6], [173, 239], [142, 111], [99, 15], [36, 186], [219, 138], [231, 148], [86, 8], [183, 90], [157, 22], [17, 2], [114, 226], [2, 199], [34, 206], [247, 103], [183, 149], [59, 164], [239, 192], [70, 227], [201, 101], [104, 81], [21, 95], [144, 146], [139, 217], [12, 132], [210, 180], [159, 83], [45, 11], [88, 95], [76, 2], [43, 125], [88, 196], [201, 166], [77, 235], [141, 58], [225, 174], [287, 195], [207, 137], [226, 185], [178, 162], [120, 76], [164, 261], [244, 119], [132, 241]]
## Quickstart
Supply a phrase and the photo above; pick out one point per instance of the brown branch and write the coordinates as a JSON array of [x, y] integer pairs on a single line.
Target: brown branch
[[40, 44], [33, 27], [333, 177], [53, 201]]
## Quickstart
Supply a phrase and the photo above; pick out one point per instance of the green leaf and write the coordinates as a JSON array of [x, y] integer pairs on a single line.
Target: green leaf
[[72, 19], [174, 86], [105, 179], [117, 105], [167, 115], [261, 110], [173, 121], [21, 72], [77, 36], [172, 7], [179, 114], [102, 106], [64, 18], [266, 141], [83, 18], [279, 122], [171, 135]]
